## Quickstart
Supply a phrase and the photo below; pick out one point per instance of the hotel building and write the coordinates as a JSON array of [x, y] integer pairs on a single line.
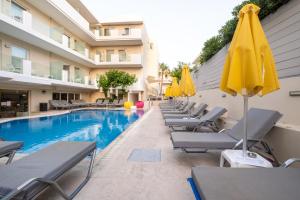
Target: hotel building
[[56, 49]]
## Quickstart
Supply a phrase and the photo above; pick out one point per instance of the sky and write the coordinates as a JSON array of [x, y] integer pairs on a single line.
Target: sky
[[178, 27]]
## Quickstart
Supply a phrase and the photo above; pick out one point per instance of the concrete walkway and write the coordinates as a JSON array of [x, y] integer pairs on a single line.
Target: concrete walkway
[[114, 177]]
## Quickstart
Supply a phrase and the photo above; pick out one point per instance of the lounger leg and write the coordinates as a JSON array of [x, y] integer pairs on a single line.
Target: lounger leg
[[88, 176], [10, 157]]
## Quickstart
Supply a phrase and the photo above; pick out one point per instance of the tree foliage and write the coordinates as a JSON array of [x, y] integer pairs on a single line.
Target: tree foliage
[[225, 34], [176, 72], [115, 78]]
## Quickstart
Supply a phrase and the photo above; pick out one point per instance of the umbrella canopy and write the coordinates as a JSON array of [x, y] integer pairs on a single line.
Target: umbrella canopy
[[175, 89], [168, 91], [186, 83], [249, 67]]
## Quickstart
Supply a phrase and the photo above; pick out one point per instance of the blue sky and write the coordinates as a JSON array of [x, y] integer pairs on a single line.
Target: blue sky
[[178, 27]]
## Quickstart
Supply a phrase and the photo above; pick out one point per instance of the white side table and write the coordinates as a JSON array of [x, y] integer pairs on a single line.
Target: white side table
[[235, 159]]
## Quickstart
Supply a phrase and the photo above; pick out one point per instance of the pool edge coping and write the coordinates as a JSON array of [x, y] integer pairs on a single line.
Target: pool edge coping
[[55, 114]]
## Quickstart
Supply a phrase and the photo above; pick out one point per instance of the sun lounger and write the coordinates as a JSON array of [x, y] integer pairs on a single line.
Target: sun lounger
[[180, 107], [214, 183], [208, 120], [113, 103], [80, 103], [171, 105], [97, 103], [196, 113], [101, 103], [259, 123], [186, 110], [27, 177], [120, 103], [9, 148], [57, 104]]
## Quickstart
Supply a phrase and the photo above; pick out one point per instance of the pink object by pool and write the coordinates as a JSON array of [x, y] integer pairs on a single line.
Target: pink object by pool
[[139, 104]]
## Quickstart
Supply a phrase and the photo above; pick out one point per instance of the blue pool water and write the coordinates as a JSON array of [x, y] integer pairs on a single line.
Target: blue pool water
[[102, 126]]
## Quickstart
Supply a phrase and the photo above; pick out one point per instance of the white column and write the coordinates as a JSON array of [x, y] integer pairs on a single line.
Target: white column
[[27, 19], [86, 80], [27, 67], [97, 58]]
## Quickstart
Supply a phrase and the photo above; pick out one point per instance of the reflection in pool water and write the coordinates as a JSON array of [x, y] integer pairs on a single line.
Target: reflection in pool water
[[102, 126]]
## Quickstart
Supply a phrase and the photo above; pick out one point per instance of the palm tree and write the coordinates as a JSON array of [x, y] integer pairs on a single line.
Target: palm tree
[[164, 70]]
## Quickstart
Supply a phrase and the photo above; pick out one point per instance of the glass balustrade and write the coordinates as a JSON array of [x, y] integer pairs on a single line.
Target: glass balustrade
[[56, 69], [79, 76], [12, 64], [12, 9]]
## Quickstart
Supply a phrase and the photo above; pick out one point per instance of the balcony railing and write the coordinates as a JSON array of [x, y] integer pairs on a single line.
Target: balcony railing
[[22, 17], [119, 34], [119, 59], [71, 13], [15, 64], [33, 69]]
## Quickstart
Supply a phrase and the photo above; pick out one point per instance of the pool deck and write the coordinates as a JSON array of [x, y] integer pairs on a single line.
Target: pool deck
[[115, 177]]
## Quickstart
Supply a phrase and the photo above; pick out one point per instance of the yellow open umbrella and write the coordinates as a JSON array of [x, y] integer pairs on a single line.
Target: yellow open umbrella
[[249, 67], [175, 89], [186, 83]]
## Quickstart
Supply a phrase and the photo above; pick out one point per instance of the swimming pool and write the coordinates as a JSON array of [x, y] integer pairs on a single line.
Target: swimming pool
[[102, 126]]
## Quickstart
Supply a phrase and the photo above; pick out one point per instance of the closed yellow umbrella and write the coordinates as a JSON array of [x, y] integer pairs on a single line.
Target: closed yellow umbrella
[[249, 67], [175, 89], [186, 83], [168, 91]]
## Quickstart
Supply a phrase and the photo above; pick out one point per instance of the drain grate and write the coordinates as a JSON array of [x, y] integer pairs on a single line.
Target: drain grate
[[145, 155]]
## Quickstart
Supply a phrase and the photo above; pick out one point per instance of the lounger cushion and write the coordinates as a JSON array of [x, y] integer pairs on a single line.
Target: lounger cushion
[[212, 115], [202, 140], [259, 122], [197, 111], [247, 184], [7, 146], [176, 116], [50, 162], [191, 122]]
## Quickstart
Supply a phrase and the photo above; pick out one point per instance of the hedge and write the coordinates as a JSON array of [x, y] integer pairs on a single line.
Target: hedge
[[225, 34]]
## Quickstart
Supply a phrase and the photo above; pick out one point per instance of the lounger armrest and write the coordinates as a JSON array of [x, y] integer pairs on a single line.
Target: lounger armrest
[[240, 142], [289, 162], [223, 130]]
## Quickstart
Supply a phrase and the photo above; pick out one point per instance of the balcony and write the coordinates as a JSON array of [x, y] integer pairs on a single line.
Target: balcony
[[25, 72], [116, 60], [62, 11], [117, 37], [137, 86]]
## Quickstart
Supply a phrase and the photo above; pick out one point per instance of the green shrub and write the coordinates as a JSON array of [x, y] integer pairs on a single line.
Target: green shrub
[[115, 78], [216, 43]]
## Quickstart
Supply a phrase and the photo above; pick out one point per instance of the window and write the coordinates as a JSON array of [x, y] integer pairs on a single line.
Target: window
[[126, 31], [63, 96], [109, 54], [71, 97], [18, 54], [55, 96], [16, 12], [77, 96], [107, 32], [122, 55]]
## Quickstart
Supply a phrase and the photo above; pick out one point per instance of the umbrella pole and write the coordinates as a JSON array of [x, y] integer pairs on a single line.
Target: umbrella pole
[[245, 126], [188, 102]]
